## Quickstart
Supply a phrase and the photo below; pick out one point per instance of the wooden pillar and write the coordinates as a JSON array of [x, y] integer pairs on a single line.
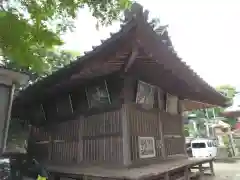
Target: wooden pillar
[[164, 155], [50, 148], [166, 176], [211, 168], [127, 95], [180, 109], [186, 173], [56, 177], [125, 136], [163, 152], [201, 171]]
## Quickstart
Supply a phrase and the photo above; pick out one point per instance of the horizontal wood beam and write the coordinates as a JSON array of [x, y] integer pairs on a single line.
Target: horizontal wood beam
[[172, 136]]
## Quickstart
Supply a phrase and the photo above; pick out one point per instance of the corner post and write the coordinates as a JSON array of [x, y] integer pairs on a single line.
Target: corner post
[[8, 116], [127, 94], [180, 109], [125, 136], [8, 81], [163, 152]]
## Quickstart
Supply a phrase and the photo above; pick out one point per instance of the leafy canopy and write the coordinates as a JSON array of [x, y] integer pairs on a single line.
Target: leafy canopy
[[29, 28], [227, 90], [55, 58]]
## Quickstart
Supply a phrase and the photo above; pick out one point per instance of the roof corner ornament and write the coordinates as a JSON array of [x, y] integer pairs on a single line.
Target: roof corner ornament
[[135, 12]]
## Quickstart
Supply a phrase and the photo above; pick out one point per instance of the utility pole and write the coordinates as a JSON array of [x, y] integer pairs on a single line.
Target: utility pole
[[213, 111], [206, 122]]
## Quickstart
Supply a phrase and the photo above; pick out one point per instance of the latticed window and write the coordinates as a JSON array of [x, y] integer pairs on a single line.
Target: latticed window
[[145, 94], [98, 95]]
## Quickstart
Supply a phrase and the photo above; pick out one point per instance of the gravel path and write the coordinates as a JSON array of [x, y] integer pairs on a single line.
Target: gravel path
[[226, 171]]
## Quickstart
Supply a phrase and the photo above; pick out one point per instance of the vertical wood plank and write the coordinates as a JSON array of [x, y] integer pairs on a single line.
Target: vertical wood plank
[[161, 126], [186, 173], [201, 171], [211, 168], [125, 136], [50, 148], [180, 109], [166, 176]]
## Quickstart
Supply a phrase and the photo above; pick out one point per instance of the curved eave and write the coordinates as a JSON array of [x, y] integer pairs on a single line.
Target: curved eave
[[189, 105], [231, 114]]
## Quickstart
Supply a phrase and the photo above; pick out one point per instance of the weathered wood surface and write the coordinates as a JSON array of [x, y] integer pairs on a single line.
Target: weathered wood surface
[[91, 139], [145, 172], [98, 138], [148, 123]]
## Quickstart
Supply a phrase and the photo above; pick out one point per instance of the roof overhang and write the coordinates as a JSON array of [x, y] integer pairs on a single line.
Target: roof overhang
[[195, 87], [231, 114], [232, 111], [8, 76], [188, 105]]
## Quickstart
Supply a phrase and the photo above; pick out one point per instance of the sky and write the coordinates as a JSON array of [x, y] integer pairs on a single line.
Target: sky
[[205, 34]]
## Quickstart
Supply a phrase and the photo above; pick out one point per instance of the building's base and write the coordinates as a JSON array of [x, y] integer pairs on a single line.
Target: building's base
[[171, 169]]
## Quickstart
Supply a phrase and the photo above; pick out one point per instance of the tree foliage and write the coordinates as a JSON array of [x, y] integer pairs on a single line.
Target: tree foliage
[[29, 28], [227, 90], [56, 59], [210, 113]]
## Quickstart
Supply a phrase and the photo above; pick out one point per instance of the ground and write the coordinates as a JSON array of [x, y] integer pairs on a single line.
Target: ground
[[226, 171]]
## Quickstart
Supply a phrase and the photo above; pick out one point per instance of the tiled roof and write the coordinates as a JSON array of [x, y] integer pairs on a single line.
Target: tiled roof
[[111, 45]]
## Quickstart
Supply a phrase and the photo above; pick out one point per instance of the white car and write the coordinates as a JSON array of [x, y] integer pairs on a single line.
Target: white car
[[202, 148]]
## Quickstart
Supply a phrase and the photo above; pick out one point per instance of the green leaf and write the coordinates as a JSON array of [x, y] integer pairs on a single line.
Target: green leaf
[[29, 28]]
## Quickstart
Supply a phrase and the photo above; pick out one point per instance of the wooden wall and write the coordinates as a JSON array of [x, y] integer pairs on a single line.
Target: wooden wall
[[69, 104], [166, 129], [174, 140], [65, 145], [96, 136], [143, 123], [86, 140], [102, 138], [38, 143], [97, 139]]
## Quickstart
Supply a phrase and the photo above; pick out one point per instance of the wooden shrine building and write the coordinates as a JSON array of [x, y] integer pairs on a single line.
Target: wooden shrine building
[[118, 105]]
